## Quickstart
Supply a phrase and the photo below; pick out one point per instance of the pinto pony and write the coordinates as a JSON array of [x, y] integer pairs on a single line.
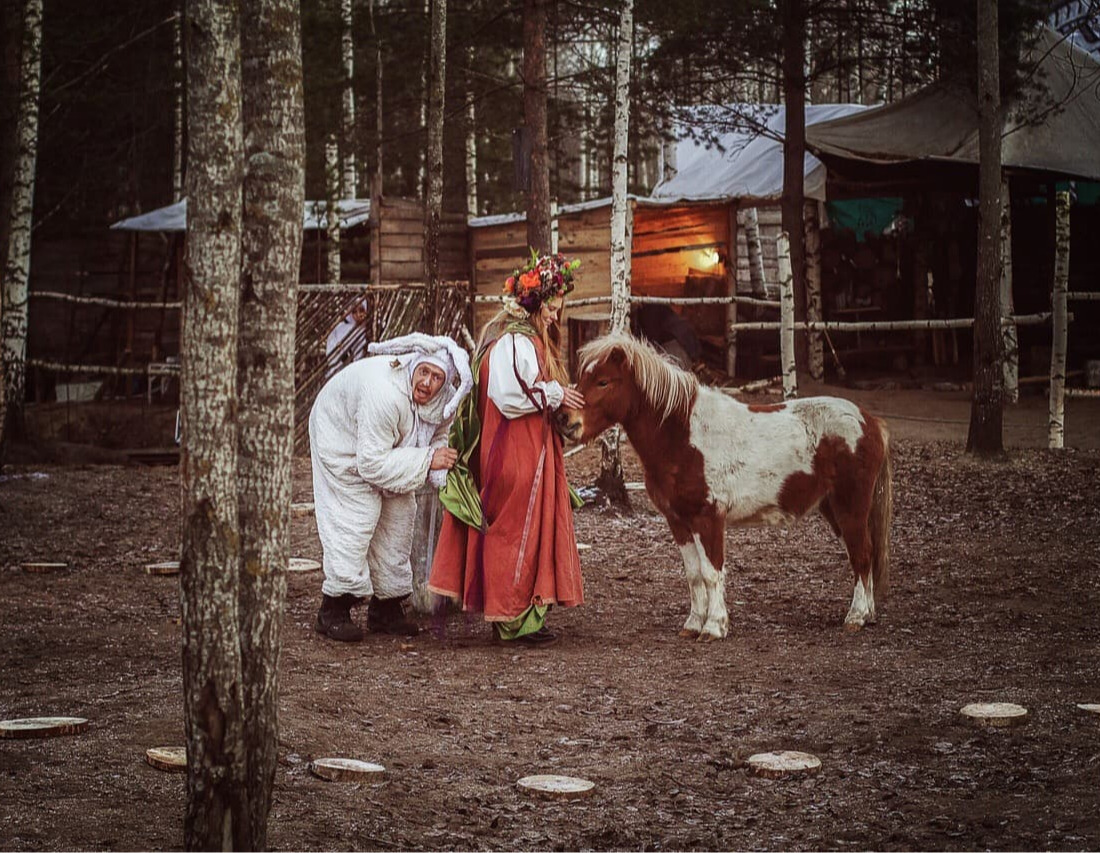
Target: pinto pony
[[711, 460]]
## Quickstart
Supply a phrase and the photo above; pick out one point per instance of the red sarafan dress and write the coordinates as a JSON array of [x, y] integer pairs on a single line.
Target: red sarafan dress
[[527, 554]]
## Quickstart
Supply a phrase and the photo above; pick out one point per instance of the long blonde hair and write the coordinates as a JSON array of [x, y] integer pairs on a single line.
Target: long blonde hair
[[550, 337]]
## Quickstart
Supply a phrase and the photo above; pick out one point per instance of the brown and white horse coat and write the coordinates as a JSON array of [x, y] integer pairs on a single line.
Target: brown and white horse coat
[[711, 460]]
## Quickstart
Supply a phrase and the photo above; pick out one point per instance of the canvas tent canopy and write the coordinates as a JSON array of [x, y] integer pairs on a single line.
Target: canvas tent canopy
[[353, 211], [1057, 133], [744, 163]]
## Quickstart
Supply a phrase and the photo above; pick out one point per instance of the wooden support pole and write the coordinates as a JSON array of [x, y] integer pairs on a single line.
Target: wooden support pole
[[786, 328], [731, 285], [1056, 434]]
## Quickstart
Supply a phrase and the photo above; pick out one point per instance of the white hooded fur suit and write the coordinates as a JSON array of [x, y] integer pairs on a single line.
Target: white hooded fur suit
[[371, 447]]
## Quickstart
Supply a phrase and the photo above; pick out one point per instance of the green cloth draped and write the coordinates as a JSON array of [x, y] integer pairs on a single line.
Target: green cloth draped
[[460, 496], [528, 622]]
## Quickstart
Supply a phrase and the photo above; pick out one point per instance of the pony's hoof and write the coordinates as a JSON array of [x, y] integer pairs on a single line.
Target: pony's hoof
[[707, 638], [852, 627], [688, 634]]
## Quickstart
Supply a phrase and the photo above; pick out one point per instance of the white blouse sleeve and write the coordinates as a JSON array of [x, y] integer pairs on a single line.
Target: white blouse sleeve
[[504, 389]]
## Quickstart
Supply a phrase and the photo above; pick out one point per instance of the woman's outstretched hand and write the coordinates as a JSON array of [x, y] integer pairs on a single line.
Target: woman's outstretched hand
[[572, 398]]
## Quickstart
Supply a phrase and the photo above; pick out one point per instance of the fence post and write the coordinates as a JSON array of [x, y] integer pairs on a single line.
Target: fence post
[[1056, 437], [786, 318]]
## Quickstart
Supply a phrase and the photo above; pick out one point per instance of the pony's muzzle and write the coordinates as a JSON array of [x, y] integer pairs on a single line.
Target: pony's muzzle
[[569, 423]]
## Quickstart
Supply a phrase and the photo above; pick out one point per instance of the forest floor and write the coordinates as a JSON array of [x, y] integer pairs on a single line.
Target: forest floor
[[995, 594]]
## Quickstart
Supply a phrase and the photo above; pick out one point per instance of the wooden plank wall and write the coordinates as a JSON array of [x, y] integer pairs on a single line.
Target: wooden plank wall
[[496, 250], [401, 243], [671, 243]]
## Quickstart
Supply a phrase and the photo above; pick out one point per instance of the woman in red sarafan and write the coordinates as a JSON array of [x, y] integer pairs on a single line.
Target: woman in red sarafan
[[523, 558]]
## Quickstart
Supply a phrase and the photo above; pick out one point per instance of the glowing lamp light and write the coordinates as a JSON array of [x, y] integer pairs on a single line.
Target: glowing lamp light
[[709, 258]]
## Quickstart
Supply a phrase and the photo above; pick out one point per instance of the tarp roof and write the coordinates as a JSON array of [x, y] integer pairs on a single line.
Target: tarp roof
[[353, 211], [746, 164], [940, 122]]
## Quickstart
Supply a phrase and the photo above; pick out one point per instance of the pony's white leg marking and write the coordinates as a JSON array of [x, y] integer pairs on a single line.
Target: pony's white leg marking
[[863, 605], [717, 623], [698, 616]]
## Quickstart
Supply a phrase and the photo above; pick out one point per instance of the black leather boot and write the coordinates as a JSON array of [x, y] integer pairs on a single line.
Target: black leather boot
[[334, 618], [387, 616]]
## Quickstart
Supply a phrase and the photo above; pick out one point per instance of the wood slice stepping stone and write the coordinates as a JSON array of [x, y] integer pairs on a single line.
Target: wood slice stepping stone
[[44, 568], [301, 564], [776, 765], [167, 567], [300, 510], [344, 769], [29, 727], [582, 546], [170, 758], [553, 787], [995, 714], [1089, 707]]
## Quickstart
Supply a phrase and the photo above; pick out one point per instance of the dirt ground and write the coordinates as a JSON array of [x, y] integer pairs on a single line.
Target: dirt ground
[[996, 587]]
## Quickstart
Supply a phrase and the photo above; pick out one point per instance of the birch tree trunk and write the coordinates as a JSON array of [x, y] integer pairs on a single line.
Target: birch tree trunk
[[794, 154], [433, 200], [610, 480], [1060, 322], [471, 137], [17, 263], [178, 86], [814, 345], [332, 212], [217, 810], [534, 117], [271, 248], [786, 317], [349, 183], [377, 105], [985, 436], [755, 252]]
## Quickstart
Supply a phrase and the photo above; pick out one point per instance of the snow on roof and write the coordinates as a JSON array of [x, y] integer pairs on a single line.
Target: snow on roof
[[744, 164], [353, 211]]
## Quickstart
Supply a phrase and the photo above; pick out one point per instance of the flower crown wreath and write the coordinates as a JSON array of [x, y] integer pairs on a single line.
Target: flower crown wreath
[[542, 278]]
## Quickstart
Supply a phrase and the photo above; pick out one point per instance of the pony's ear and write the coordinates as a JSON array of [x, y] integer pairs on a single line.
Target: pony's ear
[[618, 357]]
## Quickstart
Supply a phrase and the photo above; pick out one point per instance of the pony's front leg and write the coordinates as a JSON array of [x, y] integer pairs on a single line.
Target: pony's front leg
[[697, 588], [717, 624]]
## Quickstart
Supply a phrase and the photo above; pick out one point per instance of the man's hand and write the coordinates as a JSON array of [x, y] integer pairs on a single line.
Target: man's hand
[[571, 398], [444, 458]]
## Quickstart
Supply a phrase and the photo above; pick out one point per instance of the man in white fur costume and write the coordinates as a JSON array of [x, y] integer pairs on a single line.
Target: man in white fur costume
[[377, 432]]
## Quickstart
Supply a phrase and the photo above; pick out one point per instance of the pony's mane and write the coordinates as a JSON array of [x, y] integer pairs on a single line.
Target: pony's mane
[[665, 386]]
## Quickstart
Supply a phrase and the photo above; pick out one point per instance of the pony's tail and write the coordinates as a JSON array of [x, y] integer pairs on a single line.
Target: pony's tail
[[882, 513]]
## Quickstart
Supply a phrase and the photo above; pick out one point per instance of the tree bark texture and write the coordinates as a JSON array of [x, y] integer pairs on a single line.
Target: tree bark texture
[[471, 137], [787, 317], [178, 86], [985, 436], [332, 214], [620, 249], [17, 263], [794, 153], [216, 810], [815, 347], [534, 117], [1011, 342], [1060, 322], [271, 247], [349, 183], [433, 200]]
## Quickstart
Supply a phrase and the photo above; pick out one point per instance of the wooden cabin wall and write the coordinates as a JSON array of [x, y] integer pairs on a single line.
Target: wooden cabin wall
[[401, 243], [496, 250], [671, 243]]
